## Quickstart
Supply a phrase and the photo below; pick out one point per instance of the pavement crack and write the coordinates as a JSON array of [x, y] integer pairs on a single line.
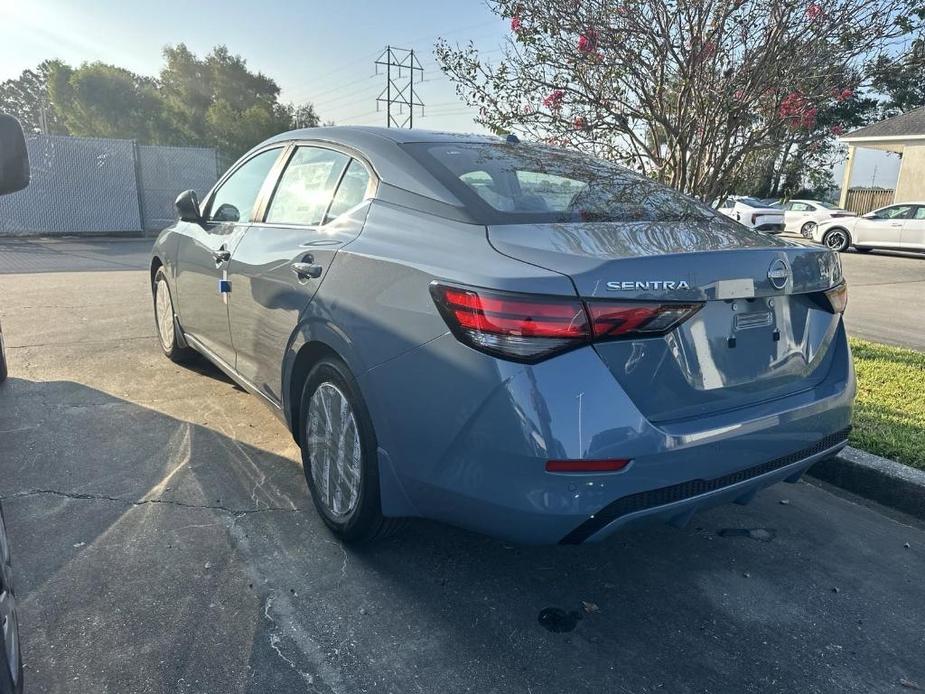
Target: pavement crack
[[237, 513]]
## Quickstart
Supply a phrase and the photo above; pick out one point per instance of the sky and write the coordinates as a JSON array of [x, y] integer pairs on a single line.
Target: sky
[[322, 52]]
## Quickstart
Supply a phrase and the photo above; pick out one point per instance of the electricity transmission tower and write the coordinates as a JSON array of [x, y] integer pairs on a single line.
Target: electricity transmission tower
[[400, 65]]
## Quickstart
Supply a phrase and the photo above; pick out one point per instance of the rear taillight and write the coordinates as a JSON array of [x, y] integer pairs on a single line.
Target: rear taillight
[[838, 297], [528, 328]]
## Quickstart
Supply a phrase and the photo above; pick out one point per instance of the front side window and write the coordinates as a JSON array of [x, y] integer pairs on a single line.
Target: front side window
[[306, 186], [506, 183], [234, 200], [895, 212], [351, 191]]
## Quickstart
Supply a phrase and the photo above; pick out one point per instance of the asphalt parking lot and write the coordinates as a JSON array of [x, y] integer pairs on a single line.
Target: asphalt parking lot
[[165, 542]]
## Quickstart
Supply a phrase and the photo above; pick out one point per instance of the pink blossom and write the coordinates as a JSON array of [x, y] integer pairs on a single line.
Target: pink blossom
[[814, 11], [738, 95], [708, 51], [554, 100], [797, 111], [844, 94], [580, 123], [587, 42], [838, 130], [516, 24]]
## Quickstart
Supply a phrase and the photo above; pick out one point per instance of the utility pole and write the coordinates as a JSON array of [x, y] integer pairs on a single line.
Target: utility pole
[[399, 88]]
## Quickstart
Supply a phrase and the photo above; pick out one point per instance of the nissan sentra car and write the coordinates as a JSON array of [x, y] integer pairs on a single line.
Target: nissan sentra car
[[519, 340]]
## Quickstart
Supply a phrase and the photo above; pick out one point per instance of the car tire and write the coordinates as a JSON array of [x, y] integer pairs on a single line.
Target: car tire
[[837, 239], [807, 230], [11, 674], [339, 454], [3, 369], [165, 320]]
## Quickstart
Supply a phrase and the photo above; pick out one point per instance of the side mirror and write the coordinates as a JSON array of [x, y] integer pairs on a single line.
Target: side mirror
[[14, 159], [188, 206]]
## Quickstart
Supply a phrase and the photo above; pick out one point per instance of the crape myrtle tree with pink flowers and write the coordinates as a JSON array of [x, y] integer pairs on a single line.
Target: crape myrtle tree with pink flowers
[[698, 94]]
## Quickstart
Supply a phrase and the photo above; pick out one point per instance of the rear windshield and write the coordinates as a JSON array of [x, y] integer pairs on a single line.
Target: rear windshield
[[754, 202], [503, 183]]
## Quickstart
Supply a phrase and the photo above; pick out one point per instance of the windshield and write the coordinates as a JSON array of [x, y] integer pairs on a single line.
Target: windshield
[[504, 183]]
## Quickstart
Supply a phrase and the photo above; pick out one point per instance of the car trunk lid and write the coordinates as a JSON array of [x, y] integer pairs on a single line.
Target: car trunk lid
[[764, 330]]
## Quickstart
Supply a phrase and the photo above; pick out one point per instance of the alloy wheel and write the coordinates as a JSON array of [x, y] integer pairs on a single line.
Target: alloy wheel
[[836, 240], [163, 306], [333, 441], [808, 229]]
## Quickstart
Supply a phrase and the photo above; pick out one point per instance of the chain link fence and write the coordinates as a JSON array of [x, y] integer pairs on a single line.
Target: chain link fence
[[83, 185]]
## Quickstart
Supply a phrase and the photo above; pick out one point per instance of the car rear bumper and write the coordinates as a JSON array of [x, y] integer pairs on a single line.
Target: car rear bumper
[[770, 228], [468, 444]]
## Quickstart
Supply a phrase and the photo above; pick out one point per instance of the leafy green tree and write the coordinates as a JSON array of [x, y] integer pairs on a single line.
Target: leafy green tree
[[217, 101], [99, 100], [26, 97]]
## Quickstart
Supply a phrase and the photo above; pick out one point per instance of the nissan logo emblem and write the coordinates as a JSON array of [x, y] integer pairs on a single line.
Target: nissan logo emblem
[[778, 274]]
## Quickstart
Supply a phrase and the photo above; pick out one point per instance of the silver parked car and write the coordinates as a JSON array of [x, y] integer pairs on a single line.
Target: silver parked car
[[516, 339]]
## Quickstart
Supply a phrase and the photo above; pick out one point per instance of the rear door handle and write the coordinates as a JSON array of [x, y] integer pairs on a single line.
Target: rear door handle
[[306, 271], [221, 255]]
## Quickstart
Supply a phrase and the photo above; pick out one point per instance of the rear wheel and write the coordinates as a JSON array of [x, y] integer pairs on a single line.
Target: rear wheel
[[807, 229], [339, 454], [837, 239], [166, 320]]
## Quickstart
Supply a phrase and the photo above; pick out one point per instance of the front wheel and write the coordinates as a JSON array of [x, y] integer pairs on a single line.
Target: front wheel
[[837, 240], [165, 319], [339, 454], [807, 230]]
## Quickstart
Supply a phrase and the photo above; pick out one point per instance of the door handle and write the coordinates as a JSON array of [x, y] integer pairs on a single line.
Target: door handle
[[221, 255], [896, 224], [306, 271]]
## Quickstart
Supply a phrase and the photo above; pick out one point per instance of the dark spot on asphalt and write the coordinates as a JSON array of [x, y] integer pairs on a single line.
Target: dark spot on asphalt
[[557, 620], [760, 534]]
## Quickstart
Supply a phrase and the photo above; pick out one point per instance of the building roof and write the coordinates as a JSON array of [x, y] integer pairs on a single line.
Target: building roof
[[908, 125]]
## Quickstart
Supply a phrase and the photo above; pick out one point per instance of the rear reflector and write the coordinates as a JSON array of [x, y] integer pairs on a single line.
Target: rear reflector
[[526, 327], [585, 465]]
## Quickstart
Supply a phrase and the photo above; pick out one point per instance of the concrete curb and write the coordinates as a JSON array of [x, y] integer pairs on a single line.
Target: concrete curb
[[885, 481]]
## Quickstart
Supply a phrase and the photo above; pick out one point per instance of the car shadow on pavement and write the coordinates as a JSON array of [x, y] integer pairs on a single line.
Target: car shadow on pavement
[[154, 554]]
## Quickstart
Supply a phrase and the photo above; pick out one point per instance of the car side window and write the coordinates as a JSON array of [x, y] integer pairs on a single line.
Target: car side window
[[306, 186], [351, 191], [727, 204], [895, 212], [235, 198], [919, 213]]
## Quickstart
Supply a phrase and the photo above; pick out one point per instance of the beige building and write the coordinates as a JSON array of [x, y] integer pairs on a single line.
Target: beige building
[[903, 134]]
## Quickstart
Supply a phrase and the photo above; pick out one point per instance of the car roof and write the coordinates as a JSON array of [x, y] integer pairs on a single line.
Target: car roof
[[380, 147]]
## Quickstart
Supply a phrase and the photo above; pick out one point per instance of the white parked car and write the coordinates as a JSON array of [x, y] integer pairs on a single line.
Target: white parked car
[[804, 215], [900, 226], [752, 213]]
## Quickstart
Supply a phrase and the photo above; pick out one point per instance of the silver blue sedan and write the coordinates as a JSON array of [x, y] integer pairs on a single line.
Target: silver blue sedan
[[516, 339]]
